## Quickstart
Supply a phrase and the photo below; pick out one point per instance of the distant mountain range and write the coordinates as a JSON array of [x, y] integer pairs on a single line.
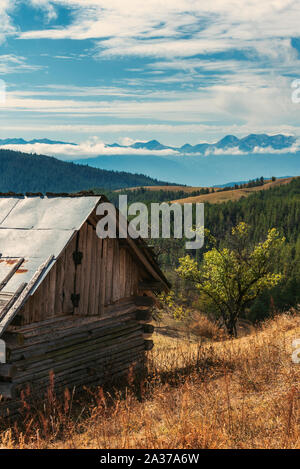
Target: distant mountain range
[[230, 142], [22, 172], [249, 144], [229, 159], [21, 141]]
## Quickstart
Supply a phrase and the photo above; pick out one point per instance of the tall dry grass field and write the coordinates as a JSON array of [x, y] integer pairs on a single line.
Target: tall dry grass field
[[242, 393]]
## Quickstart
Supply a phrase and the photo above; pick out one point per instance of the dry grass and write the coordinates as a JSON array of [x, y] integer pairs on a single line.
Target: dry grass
[[236, 194], [242, 393], [201, 326]]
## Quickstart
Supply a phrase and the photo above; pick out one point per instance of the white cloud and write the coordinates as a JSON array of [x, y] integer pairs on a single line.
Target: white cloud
[[6, 26], [94, 147], [10, 63], [127, 141], [257, 150], [246, 99], [88, 149], [159, 28], [80, 91], [220, 96], [47, 7]]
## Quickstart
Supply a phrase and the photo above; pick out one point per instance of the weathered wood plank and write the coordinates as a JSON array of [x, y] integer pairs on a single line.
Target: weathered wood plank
[[149, 344], [103, 275], [143, 301], [21, 298], [7, 371], [10, 274], [143, 316], [11, 301], [7, 390]]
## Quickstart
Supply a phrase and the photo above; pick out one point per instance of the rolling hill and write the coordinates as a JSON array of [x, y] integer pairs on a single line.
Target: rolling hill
[[220, 196], [192, 194], [23, 172]]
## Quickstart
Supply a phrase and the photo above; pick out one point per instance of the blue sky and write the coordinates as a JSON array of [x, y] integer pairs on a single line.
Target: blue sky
[[92, 71]]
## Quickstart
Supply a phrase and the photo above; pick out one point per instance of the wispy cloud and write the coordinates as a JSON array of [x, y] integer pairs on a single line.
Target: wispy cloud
[[197, 133], [47, 7], [251, 99], [10, 63], [153, 67], [176, 29], [6, 26]]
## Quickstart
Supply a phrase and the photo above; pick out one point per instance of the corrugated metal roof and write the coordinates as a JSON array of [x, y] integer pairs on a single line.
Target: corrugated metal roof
[[34, 228], [43, 213]]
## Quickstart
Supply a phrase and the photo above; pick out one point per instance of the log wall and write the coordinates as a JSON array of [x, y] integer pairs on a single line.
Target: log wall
[[108, 272], [88, 320], [74, 350]]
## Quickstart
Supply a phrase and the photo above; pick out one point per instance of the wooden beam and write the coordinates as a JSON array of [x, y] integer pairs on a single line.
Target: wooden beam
[[7, 371], [151, 286], [148, 328], [143, 301], [143, 316], [7, 390], [149, 344], [11, 313], [11, 273], [12, 301]]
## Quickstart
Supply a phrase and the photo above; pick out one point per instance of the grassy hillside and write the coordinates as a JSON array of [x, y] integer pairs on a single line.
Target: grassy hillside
[[241, 393], [188, 194], [220, 195], [22, 172]]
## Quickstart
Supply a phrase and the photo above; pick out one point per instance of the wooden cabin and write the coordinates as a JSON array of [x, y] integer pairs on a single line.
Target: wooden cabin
[[71, 304]]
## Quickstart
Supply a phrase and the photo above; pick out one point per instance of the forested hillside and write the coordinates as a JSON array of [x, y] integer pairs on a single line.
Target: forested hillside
[[150, 196], [187, 194], [22, 172], [277, 207]]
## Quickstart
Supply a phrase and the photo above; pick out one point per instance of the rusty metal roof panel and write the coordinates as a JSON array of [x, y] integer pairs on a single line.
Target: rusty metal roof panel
[[13, 302], [23, 274], [46, 213]]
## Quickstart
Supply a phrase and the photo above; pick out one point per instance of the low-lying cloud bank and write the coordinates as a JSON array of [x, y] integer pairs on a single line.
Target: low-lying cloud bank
[[265, 150], [94, 147], [88, 149]]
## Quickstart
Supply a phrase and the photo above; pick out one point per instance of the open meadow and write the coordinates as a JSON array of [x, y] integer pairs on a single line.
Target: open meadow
[[199, 393]]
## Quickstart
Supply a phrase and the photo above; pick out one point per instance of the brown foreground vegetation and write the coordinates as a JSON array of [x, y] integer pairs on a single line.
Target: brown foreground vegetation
[[242, 393]]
